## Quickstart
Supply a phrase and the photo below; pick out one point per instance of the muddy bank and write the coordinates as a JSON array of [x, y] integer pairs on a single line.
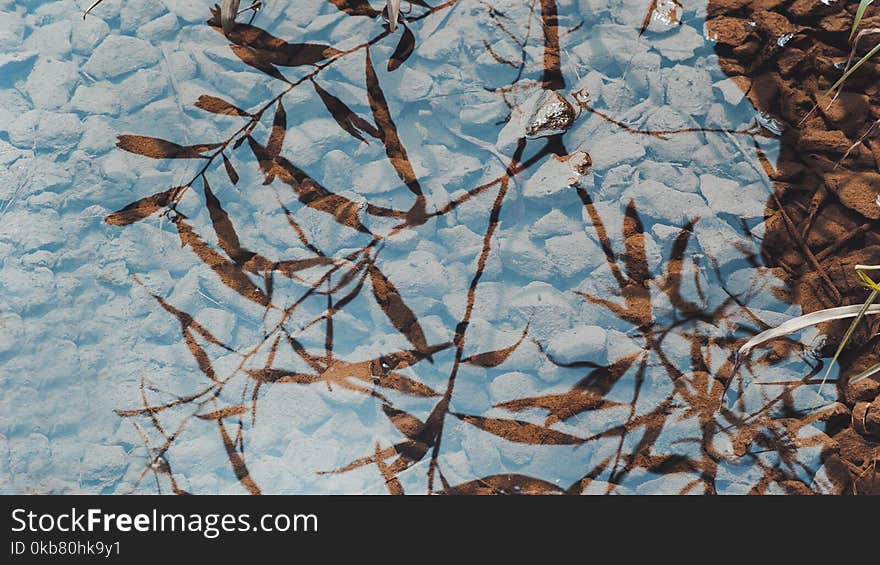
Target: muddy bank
[[822, 219]]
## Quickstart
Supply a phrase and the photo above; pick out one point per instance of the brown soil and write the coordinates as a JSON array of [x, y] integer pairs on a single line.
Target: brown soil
[[823, 218]]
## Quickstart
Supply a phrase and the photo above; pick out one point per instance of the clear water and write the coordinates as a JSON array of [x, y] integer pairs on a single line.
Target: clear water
[[81, 335]]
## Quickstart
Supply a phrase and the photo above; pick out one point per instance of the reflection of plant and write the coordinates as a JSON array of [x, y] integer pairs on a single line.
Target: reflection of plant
[[230, 397]]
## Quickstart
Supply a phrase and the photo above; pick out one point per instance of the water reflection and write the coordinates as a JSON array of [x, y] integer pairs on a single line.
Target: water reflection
[[385, 282]]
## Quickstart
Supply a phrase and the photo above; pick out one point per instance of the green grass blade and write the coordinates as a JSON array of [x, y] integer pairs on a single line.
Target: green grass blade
[[865, 374], [860, 12], [853, 69], [871, 298]]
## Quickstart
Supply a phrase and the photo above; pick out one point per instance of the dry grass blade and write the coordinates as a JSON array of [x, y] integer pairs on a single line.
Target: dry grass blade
[[849, 331], [801, 322], [850, 68], [860, 12], [872, 370], [393, 7], [228, 11], [90, 8]]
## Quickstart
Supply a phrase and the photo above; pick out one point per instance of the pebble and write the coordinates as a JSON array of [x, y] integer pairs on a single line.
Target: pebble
[[118, 55]]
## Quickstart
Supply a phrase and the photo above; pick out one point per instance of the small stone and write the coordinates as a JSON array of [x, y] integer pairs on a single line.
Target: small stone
[[582, 343], [665, 16], [729, 197], [557, 174], [547, 113], [50, 82], [117, 55]]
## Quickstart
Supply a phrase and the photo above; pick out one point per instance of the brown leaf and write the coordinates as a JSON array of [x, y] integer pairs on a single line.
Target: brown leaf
[[227, 412], [519, 431], [308, 190], [290, 266], [398, 312], [230, 170], [219, 106], [404, 49], [230, 274], [497, 357], [279, 129], [634, 242], [406, 423], [257, 60], [356, 7], [226, 234], [274, 50], [161, 149], [145, 207], [345, 116], [560, 406], [391, 482], [509, 484], [283, 376], [404, 359], [382, 116], [237, 462], [404, 384]]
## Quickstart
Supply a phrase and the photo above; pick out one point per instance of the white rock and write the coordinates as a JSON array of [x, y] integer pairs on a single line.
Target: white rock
[[510, 386], [573, 253], [135, 14], [49, 84], [658, 201], [117, 55], [86, 35], [688, 89], [582, 343], [159, 27], [617, 148], [12, 31], [188, 10], [679, 46], [729, 197], [51, 40], [97, 98]]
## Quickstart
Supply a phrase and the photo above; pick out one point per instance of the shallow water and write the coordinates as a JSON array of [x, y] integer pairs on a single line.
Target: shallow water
[[630, 266]]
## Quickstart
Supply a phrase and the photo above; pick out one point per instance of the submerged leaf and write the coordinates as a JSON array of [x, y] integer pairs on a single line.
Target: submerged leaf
[[519, 431], [230, 170], [397, 311], [140, 209], [356, 7], [162, 149], [258, 61], [279, 129], [219, 106], [237, 462], [227, 412], [404, 49], [382, 116], [307, 189], [509, 484], [345, 116], [497, 357], [230, 273]]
